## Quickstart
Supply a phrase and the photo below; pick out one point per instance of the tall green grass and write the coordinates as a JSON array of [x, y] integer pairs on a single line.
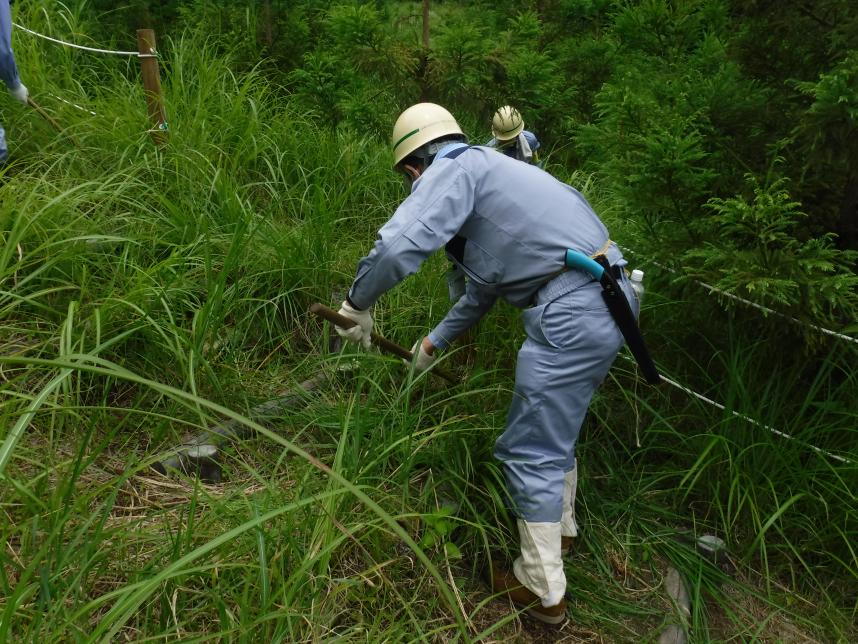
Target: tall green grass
[[145, 294]]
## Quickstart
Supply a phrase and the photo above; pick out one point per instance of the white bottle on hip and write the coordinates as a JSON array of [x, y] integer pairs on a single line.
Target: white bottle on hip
[[636, 280]]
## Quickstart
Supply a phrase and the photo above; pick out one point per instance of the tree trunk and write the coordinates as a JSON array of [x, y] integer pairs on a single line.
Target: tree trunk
[[423, 68], [426, 25], [847, 226], [267, 28]]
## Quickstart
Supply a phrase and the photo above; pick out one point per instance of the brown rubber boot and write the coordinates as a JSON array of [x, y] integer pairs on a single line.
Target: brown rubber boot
[[505, 583]]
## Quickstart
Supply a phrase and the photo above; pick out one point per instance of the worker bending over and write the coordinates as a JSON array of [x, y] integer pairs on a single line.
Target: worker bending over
[[507, 226], [510, 137]]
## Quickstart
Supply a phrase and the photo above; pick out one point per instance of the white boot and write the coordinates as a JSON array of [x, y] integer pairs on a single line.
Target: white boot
[[568, 527], [540, 566]]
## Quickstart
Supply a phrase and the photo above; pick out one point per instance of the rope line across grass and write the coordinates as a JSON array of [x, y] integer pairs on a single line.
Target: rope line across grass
[[765, 309], [746, 418], [96, 50], [75, 105]]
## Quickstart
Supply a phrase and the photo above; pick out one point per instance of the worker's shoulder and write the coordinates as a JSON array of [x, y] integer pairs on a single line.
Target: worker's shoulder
[[469, 158], [474, 153], [532, 139]]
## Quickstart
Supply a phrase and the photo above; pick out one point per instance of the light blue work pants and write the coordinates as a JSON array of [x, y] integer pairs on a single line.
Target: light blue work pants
[[4, 151], [572, 341]]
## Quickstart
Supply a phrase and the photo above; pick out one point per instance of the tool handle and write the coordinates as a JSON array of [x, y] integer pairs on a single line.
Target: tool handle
[[381, 342], [43, 113], [51, 120]]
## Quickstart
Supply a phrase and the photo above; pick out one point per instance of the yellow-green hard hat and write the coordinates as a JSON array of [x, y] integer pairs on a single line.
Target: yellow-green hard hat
[[418, 125], [507, 123]]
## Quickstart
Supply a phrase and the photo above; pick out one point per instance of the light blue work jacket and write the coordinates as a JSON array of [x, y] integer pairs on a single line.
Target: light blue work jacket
[[8, 69], [506, 224]]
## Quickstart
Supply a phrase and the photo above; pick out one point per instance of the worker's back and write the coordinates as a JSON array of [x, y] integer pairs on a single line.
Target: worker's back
[[523, 221]]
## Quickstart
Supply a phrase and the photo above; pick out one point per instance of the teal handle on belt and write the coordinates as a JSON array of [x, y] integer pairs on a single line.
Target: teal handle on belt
[[575, 259]]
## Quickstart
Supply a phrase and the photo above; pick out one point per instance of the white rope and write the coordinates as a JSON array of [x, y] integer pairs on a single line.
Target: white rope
[[153, 53], [83, 109], [766, 309], [760, 307], [748, 419]]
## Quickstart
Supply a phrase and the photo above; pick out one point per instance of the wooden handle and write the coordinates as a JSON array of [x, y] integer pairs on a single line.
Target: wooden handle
[[381, 342], [51, 120]]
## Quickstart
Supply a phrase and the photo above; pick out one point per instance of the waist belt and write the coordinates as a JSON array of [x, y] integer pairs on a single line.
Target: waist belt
[[568, 280], [619, 307]]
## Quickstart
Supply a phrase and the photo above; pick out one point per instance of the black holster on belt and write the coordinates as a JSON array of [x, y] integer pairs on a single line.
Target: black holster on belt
[[620, 310]]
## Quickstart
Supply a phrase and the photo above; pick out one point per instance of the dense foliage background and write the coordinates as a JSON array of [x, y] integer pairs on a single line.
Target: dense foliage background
[[146, 292], [694, 114]]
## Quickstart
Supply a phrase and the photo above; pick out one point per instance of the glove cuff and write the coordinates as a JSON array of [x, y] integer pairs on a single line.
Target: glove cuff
[[348, 307], [20, 93]]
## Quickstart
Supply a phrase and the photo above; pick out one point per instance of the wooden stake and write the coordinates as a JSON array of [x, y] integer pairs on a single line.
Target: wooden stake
[[152, 85]]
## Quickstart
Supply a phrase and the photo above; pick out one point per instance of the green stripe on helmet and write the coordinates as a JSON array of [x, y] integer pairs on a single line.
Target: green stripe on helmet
[[411, 133]]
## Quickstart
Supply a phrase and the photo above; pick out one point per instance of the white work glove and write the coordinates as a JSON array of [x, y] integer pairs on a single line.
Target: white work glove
[[422, 360], [361, 331], [20, 94]]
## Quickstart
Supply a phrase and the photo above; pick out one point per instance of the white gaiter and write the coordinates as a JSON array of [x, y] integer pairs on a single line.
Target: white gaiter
[[540, 566]]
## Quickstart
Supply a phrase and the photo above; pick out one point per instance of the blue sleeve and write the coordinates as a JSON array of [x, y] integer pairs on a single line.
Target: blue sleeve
[[466, 312], [8, 69], [441, 201], [532, 141]]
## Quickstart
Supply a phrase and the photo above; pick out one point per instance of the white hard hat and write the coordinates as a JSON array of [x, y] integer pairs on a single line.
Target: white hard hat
[[507, 123], [419, 125]]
